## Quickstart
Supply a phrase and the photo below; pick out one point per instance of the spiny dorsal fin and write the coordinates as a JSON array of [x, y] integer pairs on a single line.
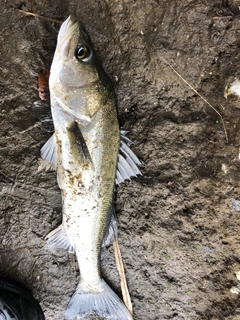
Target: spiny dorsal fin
[[127, 161]]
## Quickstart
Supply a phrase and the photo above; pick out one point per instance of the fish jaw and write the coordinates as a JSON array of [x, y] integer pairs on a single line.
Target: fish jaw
[[68, 27]]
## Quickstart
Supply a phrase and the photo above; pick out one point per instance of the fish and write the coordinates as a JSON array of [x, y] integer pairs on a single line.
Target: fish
[[16, 303], [90, 155]]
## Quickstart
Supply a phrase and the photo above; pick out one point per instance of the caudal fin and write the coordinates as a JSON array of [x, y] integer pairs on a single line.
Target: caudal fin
[[105, 303]]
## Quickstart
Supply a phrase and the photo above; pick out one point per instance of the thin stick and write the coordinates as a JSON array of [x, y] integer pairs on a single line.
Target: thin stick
[[210, 105], [120, 267], [38, 16]]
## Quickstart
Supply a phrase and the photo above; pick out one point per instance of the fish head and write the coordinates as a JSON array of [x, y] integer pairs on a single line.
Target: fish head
[[75, 71]]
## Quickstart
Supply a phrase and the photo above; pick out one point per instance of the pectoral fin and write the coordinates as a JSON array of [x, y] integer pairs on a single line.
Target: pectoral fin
[[78, 145]]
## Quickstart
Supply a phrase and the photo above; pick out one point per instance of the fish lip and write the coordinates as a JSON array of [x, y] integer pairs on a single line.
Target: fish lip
[[67, 28]]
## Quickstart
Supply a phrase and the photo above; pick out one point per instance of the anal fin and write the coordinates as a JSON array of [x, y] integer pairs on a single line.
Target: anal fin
[[58, 239]]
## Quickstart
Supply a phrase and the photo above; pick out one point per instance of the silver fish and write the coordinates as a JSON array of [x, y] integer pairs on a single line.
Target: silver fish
[[84, 151]]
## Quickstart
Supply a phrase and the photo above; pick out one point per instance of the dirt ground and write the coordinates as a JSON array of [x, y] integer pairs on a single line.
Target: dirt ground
[[179, 221]]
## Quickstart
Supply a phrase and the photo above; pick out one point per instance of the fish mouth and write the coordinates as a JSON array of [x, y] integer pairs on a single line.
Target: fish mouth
[[65, 35], [67, 28]]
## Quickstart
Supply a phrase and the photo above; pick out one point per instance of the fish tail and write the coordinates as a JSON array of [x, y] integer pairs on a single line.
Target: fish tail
[[105, 303]]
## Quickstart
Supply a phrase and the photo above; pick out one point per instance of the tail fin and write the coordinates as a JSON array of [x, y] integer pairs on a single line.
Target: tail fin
[[105, 303]]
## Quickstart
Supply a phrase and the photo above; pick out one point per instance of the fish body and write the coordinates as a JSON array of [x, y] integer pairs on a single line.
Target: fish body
[[84, 150]]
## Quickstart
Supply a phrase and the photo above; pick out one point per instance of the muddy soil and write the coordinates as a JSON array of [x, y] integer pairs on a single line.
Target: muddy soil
[[179, 221]]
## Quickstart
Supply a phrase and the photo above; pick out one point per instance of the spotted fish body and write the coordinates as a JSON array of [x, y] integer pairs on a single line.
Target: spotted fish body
[[84, 151]]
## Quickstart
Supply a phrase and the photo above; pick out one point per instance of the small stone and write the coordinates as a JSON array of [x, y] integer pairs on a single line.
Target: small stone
[[234, 290], [238, 275]]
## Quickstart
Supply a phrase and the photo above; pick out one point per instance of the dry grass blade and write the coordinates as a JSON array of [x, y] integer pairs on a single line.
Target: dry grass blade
[[208, 103], [38, 16], [120, 267]]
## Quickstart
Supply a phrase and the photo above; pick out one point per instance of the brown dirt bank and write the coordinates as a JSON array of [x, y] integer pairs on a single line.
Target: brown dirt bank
[[179, 222]]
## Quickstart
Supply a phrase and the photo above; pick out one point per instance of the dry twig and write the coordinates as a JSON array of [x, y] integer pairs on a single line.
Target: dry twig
[[38, 16], [120, 267], [210, 105]]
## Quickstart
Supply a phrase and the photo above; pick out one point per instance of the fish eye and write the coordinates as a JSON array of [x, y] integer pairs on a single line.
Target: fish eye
[[82, 53]]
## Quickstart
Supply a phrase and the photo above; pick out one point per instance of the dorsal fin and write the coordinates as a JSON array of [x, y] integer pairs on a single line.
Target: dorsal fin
[[127, 161]]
